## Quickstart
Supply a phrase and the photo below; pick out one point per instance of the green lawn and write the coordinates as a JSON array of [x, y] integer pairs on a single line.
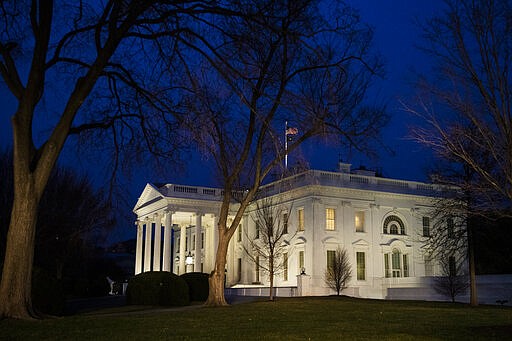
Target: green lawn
[[319, 318]]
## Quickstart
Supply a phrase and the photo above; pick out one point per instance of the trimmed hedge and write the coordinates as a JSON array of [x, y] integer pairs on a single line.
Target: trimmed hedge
[[197, 285], [157, 288]]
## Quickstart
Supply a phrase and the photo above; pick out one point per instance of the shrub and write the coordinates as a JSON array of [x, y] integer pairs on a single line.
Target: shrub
[[198, 287], [157, 288], [47, 293]]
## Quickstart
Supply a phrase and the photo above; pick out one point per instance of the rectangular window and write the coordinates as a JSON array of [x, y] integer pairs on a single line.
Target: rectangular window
[[429, 266], [359, 221], [361, 269], [285, 223], [239, 238], [330, 219], [285, 266], [406, 266], [300, 216], [330, 258], [177, 245], [239, 269], [450, 228], [257, 232], [186, 243], [301, 261], [202, 240], [387, 273], [426, 227], [257, 261], [395, 263], [193, 246]]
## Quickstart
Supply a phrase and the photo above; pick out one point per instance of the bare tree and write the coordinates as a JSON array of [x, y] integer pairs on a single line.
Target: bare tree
[[78, 68], [268, 248], [293, 61], [453, 281], [467, 110], [338, 271], [467, 106]]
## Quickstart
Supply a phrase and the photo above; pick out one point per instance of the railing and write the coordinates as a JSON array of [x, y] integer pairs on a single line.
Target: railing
[[249, 290], [314, 177]]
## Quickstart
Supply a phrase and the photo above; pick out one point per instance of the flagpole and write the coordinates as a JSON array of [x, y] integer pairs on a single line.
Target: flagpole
[[285, 146]]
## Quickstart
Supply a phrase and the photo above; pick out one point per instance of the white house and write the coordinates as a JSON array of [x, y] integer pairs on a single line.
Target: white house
[[380, 222]]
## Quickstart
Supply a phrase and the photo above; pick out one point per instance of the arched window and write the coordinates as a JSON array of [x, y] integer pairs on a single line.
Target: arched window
[[393, 225]]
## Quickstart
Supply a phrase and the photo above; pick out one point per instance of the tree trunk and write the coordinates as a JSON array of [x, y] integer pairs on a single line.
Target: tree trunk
[[217, 279], [271, 275], [16, 284], [472, 272]]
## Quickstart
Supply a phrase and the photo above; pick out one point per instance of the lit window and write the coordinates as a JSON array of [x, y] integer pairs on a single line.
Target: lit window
[[395, 263], [329, 219], [359, 221], [393, 225], [285, 266], [387, 273], [330, 258], [405, 265], [301, 261], [399, 264], [426, 227], [361, 270], [300, 215]]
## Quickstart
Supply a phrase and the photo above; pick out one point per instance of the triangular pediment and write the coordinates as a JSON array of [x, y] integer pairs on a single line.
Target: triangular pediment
[[361, 243], [149, 195]]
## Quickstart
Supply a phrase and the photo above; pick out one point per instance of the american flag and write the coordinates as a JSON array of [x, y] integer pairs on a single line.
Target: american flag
[[292, 131]]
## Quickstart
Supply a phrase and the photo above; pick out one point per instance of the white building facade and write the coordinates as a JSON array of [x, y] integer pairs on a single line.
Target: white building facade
[[381, 223]]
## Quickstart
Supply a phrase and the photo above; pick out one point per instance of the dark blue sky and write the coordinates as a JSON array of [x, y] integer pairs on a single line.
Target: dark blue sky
[[396, 35]]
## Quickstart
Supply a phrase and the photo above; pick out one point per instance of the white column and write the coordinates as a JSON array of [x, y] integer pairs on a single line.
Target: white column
[[157, 243], [147, 246], [138, 252], [215, 239], [167, 242], [183, 237], [197, 258]]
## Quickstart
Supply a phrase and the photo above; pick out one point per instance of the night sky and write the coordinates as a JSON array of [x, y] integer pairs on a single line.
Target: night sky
[[396, 37]]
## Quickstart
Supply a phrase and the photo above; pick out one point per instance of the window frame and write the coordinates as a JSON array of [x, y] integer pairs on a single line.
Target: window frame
[[361, 266], [300, 219], [426, 226], [394, 220], [330, 219], [359, 216], [285, 266]]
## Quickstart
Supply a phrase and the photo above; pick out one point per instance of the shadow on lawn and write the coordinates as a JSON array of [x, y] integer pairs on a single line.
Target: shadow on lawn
[[502, 332]]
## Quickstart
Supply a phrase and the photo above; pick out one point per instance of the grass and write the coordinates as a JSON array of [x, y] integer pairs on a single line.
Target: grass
[[314, 318]]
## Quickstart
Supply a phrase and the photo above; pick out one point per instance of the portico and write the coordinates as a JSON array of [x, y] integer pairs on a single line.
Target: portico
[[176, 233]]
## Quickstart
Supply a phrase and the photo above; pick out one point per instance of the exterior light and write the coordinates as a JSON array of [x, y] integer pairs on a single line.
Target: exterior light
[[189, 260]]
